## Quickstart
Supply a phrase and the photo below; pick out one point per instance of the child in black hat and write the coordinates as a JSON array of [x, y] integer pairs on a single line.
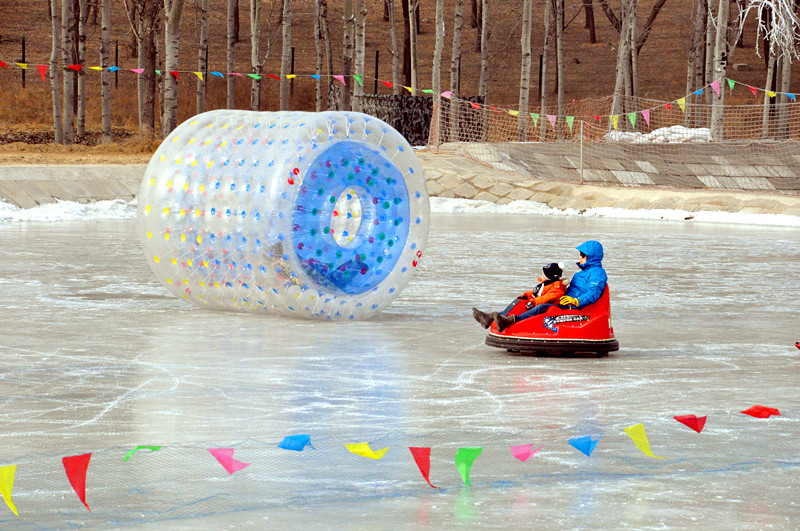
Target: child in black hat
[[550, 288]]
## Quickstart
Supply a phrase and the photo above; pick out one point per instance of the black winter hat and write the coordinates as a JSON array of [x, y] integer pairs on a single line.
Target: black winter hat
[[553, 271]]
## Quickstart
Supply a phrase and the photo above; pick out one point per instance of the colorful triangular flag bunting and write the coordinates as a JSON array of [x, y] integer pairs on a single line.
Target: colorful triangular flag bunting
[[422, 457], [75, 467], [465, 457], [7, 485]]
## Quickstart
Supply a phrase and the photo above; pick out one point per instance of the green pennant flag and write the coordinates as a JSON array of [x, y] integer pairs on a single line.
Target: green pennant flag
[[535, 117], [358, 79], [731, 83], [464, 459], [158, 72], [569, 120], [428, 91], [254, 76], [632, 118]]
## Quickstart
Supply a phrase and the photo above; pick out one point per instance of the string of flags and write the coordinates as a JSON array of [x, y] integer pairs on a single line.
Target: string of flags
[[76, 467], [614, 119]]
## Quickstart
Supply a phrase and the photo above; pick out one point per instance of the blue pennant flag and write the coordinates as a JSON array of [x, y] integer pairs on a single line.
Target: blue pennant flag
[[296, 442]]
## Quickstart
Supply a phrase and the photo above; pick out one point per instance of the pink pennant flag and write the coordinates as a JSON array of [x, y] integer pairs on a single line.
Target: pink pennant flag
[[339, 78], [76, 466], [523, 452], [715, 86], [234, 74], [552, 119], [225, 458], [42, 70], [137, 70], [447, 94], [646, 115]]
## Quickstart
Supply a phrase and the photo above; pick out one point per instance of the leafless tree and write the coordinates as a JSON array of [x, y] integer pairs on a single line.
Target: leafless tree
[[394, 50], [413, 32], [560, 74], [83, 16], [548, 34], [436, 72], [105, 75], [483, 83], [360, 52], [455, 74], [348, 19], [588, 10], [202, 57], [144, 18], [286, 53], [326, 34], [67, 24], [525, 70], [173, 12], [318, 63], [55, 70], [230, 35]]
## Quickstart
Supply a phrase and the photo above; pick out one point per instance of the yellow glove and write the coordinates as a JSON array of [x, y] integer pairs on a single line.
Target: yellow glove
[[568, 301]]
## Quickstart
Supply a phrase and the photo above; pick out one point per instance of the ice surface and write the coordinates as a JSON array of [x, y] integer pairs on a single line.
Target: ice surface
[[97, 357]]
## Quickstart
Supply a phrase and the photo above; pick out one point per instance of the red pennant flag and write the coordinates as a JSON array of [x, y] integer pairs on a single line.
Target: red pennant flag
[[3, 64], [273, 76], [597, 117], [74, 67], [75, 467], [388, 84], [761, 412], [797, 344], [475, 105], [422, 456], [692, 421], [753, 90], [175, 74], [492, 107], [42, 70], [668, 106]]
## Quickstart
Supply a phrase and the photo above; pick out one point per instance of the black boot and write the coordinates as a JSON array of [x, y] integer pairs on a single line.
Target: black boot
[[503, 321], [483, 318]]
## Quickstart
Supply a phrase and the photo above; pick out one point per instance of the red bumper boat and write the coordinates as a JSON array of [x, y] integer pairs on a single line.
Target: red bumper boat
[[558, 331]]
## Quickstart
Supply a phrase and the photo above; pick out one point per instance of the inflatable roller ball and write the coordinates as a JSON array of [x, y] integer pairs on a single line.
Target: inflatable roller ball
[[318, 215]]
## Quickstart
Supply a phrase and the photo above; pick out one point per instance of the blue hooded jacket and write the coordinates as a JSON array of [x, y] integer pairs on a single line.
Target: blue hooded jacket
[[588, 284]]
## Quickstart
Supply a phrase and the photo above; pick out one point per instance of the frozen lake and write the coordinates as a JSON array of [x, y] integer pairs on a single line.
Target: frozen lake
[[98, 357]]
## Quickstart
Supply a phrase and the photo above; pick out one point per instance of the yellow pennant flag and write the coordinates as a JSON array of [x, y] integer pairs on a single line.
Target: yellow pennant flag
[[682, 103], [199, 74], [513, 113], [291, 76], [363, 449], [23, 66], [639, 437], [408, 88], [615, 121], [7, 485], [98, 68], [770, 94]]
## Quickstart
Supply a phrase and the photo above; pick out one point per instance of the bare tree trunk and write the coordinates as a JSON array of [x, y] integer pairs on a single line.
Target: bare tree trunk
[[406, 41], [634, 51], [710, 39], [55, 71], [386, 8], [202, 54], [720, 69], [173, 11], [67, 22], [159, 36], [478, 23], [83, 16], [560, 59], [588, 9], [786, 79], [255, 54], [318, 64], [525, 71], [436, 73], [347, 53], [395, 52], [548, 23], [326, 32], [691, 58], [236, 21], [455, 74], [769, 86], [622, 62], [413, 5], [483, 82], [360, 52], [231, 44], [286, 53], [105, 75]]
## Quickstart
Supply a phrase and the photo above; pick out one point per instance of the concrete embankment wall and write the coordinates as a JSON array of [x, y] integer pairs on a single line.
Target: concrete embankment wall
[[448, 175]]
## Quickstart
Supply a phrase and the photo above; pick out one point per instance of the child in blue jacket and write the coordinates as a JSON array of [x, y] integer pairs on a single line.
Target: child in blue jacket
[[586, 286]]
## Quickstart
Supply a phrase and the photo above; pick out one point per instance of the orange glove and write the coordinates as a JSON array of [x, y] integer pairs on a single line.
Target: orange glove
[[528, 295], [568, 301]]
